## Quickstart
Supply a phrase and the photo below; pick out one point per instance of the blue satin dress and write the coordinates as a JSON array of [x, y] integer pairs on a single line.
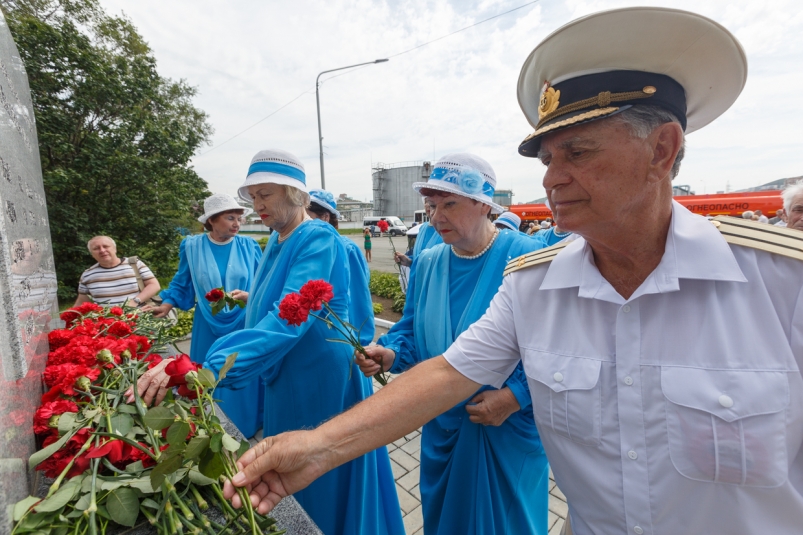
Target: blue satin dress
[[234, 265], [475, 479], [361, 307], [308, 380], [427, 238]]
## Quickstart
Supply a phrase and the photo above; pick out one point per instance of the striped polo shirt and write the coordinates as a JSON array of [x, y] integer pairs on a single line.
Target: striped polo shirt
[[113, 285]]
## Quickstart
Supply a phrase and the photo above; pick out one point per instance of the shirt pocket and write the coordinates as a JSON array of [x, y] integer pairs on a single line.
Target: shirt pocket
[[727, 426], [566, 394]]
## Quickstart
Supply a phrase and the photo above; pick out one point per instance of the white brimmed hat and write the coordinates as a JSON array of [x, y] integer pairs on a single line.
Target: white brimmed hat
[[510, 220], [605, 63], [220, 202], [324, 199], [463, 174], [274, 167], [413, 231]]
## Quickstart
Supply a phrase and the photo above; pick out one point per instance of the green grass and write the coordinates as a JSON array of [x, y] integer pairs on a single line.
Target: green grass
[[345, 231]]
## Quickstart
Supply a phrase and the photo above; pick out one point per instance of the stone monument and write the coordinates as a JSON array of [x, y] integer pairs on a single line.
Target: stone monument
[[28, 304], [27, 276]]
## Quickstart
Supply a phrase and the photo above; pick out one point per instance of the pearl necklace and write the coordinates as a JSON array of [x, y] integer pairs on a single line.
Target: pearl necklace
[[306, 218], [474, 257]]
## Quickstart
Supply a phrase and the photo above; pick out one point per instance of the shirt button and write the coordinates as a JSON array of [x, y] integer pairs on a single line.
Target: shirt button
[[632, 454], [626, 308], [558, 377], [628, 380], [637, 530], [726, 401]]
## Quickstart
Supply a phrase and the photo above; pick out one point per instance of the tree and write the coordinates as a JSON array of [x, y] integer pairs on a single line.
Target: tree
[[115, 138]]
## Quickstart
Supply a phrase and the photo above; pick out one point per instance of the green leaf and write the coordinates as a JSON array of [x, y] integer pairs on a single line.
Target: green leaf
[[158, 418], [66, 422], [83, 503], [128, 409], [23, 505], [59, 499], [211, 464], [177, 433], [196, 447], [180, 411], [206, 377], [122, 423], [177, 476], [199, 479], [142, 484], [135, 467], [216, 442], [227, 366], [167, 466], [244, 446], [43, 454], [230, 443], [150, 504]]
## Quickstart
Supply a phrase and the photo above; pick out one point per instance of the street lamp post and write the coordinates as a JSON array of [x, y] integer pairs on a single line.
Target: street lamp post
[[318, 102]]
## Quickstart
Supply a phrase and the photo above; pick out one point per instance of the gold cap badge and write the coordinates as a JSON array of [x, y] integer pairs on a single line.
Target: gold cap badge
[[550, 100]]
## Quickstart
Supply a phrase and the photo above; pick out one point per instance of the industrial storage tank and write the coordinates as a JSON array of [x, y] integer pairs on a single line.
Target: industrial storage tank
[[393, 188]]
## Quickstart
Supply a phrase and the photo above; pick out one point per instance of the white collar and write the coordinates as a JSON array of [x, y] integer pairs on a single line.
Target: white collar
[[214, 242], [695, 249]]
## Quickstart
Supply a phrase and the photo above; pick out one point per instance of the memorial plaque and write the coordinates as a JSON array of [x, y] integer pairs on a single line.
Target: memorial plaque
[[27, 275]]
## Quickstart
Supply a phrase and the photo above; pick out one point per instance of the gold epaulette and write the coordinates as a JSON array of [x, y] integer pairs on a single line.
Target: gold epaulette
[[776, 240], [533, 259]]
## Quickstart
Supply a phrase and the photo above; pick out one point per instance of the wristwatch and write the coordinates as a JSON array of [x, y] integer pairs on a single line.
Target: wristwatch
[[137, 300]]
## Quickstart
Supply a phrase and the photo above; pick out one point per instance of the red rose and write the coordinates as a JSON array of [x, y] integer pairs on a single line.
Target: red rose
[[293, 310], [314, 293], [187, 392], [383, 225], [43, 414], [111, 449], [117, 311], [214, 295], [178, 368]]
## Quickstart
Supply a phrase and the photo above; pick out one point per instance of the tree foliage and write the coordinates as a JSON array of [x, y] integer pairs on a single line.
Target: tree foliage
[[115, 138]]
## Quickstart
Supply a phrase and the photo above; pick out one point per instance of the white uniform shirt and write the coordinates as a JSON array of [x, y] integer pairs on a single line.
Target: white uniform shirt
[[677, 411]]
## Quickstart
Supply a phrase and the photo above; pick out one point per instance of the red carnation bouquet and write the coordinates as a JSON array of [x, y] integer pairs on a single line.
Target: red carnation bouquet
[[220, 299], [383, 227], [315, 295], [113, 462]]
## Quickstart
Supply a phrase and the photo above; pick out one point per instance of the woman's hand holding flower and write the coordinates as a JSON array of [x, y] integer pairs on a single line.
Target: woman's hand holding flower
[[240, 295], [381, 359]]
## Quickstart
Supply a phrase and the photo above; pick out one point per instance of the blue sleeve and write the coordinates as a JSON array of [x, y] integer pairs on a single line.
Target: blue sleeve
[[400, 337], [361, 307], [263, 346], [181, 292], [549, 237], [517, 383]]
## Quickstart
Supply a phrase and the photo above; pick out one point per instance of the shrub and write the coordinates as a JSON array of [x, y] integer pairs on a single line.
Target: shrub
[[378, 308], [387, 285], [184, 325]]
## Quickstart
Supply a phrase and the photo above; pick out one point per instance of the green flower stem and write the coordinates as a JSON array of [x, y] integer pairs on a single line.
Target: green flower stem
[[171, 490], [57, 483], [93, 504], [231, 469], [202, 505], [147, 514]]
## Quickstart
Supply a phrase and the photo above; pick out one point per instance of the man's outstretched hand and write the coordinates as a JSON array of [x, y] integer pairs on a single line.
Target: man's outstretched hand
[[276, 468]]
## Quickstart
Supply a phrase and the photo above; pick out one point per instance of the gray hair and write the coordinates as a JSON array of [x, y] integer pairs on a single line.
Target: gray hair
[[296, 197], [642, 120], [747, 214], [788, 195], [89, 243]]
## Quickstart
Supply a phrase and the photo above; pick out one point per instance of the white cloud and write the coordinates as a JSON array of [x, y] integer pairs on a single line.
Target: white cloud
[[459, 94]]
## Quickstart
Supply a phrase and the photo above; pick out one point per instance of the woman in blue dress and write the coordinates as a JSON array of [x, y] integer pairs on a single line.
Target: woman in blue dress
[[483, 468], [306, 379], [361, 309], [219, 258]]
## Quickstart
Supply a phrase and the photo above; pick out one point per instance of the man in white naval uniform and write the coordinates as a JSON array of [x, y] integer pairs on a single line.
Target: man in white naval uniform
[[664, 406]]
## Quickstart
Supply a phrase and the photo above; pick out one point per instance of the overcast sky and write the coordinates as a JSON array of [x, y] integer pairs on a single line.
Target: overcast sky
[[249, 58]]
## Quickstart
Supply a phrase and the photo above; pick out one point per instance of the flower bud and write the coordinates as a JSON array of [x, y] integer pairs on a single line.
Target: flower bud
[[192, 379], [104, 355], [53, 422], [126, 354], [83, 383]]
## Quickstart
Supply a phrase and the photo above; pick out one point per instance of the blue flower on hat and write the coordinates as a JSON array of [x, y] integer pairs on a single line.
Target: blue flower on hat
[[471, 182]]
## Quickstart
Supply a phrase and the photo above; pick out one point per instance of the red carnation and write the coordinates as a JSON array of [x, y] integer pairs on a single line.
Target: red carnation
[[69, 317], [214, 295], [119, 329], [178, 368], [383, 225], [315, 293], [59, 338], [62, 378], [41, 418], [117, 311], [153, 360], [293, 309]]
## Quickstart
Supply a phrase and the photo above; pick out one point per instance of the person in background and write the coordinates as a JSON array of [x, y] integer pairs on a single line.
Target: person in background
[[533, 227], [361, 309], [405, 260], [427, 236], [747, 215], [761, 217], [793, 206], [366, 234], [218, 258], [112, 280], [509, 221], [778, 217]]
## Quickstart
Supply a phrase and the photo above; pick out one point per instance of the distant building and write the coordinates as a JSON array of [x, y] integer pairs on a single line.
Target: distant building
[[393, 188], [781, 183], [352, 209], [504, 197]]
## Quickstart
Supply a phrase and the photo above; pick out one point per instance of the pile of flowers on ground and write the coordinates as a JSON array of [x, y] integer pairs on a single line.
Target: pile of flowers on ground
[[296, 308], [113, 462]]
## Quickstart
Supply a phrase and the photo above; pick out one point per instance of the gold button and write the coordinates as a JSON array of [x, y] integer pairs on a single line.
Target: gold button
[[649, 90]]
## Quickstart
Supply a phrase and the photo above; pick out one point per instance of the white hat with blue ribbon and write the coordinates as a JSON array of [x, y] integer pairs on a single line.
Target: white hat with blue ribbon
[[220, 202], [274, 167], [463, 174], [510, 220], [325, 199]]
